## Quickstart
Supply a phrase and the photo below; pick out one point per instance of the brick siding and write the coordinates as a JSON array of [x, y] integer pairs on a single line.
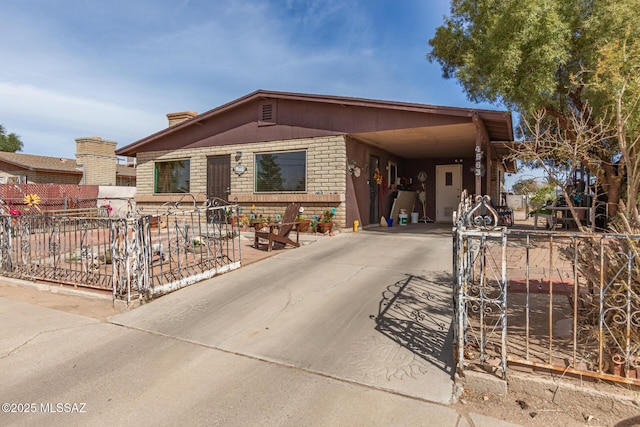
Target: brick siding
[[98, 156], [326, 175]]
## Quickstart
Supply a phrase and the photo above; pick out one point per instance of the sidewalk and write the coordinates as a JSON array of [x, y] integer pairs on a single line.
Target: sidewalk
[[288, 341]]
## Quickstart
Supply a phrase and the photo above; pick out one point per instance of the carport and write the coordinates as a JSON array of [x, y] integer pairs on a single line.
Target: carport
[[462, 150]]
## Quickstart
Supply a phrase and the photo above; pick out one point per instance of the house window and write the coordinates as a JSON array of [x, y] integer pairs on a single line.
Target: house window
[[281, 172], [172, 177], [448, 179], [393, 173]]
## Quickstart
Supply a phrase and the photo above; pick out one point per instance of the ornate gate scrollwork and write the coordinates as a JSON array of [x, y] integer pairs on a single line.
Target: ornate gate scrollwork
[[481, 215], [480, 292]]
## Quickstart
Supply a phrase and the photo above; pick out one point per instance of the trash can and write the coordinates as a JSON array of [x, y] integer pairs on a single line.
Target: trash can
[[389, 222], [403, 219], [414, 217]]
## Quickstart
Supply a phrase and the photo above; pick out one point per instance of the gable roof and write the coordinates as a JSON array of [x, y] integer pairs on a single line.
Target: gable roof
[[341, 115], [41, 163]]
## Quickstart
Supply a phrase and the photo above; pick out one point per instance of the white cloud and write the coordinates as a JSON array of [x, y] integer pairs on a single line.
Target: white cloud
[[28, 110], [114, 70]]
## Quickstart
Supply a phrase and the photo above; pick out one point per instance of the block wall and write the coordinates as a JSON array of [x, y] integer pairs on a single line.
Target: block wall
[[326, 176], [98, 157]]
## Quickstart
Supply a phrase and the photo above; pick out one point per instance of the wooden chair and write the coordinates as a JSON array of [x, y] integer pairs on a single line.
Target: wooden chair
[[278, 234]]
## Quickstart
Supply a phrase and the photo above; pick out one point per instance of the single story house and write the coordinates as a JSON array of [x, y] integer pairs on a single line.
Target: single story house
[[268, 149], [95, 164]]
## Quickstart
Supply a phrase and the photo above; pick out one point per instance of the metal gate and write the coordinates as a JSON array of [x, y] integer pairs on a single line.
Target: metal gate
[[140, 256], [557, 300], [480, 296]]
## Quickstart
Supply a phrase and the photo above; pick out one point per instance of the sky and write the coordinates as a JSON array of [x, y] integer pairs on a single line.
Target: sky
[[114, 69]]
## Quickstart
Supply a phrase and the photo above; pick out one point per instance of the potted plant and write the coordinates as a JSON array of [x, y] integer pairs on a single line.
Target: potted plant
[[244, 221], [325, 222], [303, 224], [258, 223]]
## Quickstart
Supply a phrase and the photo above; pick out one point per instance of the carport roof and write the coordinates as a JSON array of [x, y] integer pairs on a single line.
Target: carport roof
[[415, 130]]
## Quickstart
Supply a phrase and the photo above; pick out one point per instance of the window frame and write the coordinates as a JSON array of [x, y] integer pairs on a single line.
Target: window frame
[[392, 173], [256, 169], [155, 175]]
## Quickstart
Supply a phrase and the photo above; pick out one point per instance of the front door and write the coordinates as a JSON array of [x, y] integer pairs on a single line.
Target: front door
[[219, 177], [448, 187]]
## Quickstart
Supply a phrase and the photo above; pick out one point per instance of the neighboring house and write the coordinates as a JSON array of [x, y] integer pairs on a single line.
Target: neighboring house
[[96, 164], [22, 168], [269, 149]]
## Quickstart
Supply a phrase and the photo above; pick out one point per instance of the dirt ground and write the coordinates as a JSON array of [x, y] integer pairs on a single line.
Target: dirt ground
[[560, 400], [594, 404], [95, 304]]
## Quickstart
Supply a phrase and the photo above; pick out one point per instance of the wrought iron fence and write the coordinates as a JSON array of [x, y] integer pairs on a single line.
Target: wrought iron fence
[[551, 299], [139, 256]]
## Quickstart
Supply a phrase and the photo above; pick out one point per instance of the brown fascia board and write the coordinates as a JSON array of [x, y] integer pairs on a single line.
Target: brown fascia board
[[31, 168], [128, 150], [510, 165], [497, 115], [59, 171]]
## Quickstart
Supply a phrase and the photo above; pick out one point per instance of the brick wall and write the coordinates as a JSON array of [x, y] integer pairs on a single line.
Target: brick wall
[[99, 159], [326, 175]]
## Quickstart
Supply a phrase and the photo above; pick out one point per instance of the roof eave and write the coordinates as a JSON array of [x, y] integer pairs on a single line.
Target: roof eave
[[130, 150]]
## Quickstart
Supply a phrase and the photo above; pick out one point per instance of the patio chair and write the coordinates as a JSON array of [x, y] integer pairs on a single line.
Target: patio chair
[[505, 214], [278, 235]]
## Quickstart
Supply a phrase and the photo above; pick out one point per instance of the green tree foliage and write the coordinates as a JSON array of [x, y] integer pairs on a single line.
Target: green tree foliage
[[9, 142], [269, 175], [616, 89], [551, 61], [525, 186], [543, 196], [527, 53]]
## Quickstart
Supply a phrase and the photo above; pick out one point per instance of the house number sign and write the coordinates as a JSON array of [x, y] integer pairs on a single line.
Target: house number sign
[[478, 169]]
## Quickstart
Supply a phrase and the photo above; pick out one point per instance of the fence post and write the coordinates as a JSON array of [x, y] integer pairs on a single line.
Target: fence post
[[5, 243], [503, 285]]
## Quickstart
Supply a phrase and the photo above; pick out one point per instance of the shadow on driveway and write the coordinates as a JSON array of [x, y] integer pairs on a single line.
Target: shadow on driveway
[[416, 313]]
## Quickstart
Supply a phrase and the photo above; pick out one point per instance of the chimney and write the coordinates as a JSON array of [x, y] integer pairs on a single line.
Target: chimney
[[98, 159], [179, 117]]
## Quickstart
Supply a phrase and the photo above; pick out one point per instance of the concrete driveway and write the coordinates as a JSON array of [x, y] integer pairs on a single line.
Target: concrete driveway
[[370, 308], [311, 336]]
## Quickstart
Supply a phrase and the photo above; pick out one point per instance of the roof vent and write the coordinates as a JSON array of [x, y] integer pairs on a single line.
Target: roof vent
[[267, 113]]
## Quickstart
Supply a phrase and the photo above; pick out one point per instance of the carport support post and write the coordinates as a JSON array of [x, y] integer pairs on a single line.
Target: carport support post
[[480, 136]]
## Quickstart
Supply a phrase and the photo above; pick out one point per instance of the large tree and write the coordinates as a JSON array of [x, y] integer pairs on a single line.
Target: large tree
[[526, 186], [9, 142], [553, 60]]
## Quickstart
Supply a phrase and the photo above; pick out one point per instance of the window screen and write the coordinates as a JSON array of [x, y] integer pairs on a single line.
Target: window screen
[[281, 172], [172, 177]]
